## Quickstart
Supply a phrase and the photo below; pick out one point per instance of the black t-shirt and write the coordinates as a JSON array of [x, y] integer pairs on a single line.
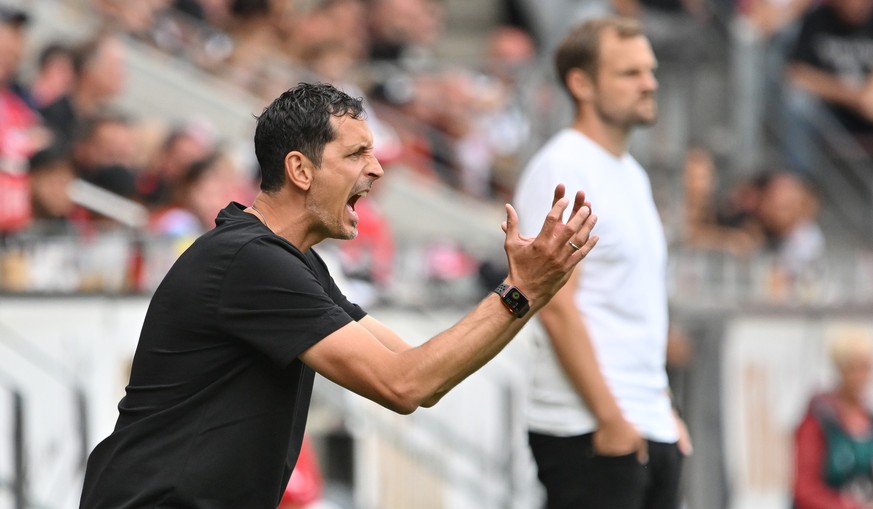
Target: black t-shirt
[[828, 43], [216, 406], [61, 117]]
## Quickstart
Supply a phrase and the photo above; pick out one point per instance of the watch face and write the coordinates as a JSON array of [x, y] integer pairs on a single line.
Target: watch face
[[515, 300]]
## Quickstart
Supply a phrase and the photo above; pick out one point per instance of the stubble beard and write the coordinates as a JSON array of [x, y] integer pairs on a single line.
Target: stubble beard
[[332, 227], [627, 119]]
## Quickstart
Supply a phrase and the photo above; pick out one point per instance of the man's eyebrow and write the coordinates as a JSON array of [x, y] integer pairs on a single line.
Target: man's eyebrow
[[358, 147]]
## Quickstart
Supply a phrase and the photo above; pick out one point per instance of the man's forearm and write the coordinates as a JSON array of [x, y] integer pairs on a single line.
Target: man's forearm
[[451, 356], [824, 85]]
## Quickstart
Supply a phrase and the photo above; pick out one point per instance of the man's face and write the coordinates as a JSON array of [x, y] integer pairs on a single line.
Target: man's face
[[348, 170], [625, 84], [112, 143]]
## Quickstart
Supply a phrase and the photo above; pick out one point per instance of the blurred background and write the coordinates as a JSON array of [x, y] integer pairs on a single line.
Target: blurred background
[[126, 126]]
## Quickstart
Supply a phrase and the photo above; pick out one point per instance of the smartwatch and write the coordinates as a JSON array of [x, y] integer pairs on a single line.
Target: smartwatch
[[513, 299]]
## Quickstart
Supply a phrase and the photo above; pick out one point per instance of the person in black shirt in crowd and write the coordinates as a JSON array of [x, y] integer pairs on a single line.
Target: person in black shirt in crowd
[[220, 385], [832, 60]]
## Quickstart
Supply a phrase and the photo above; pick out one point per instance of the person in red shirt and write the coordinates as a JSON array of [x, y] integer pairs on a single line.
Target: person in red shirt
[[834, 441]]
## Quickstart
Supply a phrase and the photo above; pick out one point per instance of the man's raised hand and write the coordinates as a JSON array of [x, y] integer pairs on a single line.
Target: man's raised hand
[[539, 266]]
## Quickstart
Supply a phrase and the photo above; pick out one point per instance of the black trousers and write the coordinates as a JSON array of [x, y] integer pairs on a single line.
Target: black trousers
[[576, 478]]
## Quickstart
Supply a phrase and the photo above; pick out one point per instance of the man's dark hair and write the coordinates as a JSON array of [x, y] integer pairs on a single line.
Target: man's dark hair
[[299, 119], [580, 48], [53, 50]]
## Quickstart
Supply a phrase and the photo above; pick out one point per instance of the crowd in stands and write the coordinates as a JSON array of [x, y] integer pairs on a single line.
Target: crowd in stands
[[467, 124], [771, 211]]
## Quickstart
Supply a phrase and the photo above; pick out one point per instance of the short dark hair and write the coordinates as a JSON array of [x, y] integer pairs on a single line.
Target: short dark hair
[[48, 158], [53, 50], [299, 119], [580, 48]]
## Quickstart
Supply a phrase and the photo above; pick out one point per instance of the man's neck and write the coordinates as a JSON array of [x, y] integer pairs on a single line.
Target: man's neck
[[614, 140]]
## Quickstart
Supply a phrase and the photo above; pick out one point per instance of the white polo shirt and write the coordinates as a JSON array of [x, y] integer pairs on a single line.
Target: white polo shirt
[[621, 294]]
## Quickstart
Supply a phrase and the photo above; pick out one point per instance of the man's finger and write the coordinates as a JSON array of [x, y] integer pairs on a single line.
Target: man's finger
[[578, 203], [577, 223], [553, 218], [583, 237], [560, 190], [510, 226]]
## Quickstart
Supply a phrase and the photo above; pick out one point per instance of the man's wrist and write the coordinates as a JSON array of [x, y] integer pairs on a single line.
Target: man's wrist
[[513, 299]]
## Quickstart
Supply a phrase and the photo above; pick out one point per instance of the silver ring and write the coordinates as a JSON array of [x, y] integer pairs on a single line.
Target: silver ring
[[574, 246]]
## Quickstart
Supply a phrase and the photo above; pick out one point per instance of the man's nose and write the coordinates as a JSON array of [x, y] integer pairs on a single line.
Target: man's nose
[[375, 168]]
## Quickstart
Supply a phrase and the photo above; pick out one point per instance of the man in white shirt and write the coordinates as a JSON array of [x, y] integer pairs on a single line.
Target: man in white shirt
[[602, 428]]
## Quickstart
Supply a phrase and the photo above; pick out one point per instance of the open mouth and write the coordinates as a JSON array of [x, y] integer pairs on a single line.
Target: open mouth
[[354, 199]]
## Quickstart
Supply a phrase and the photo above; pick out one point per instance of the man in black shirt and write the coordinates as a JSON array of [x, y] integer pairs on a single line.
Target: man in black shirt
[[832, 60], [220, 385]]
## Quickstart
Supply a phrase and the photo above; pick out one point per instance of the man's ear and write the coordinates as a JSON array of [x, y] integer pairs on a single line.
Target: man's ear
[[580, 84], [299, 170]]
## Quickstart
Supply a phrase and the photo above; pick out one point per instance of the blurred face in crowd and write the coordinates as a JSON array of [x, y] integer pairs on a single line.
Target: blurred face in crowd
[[111, 143], [625, 85], [180, 153], [49, 190], [855, 375], [212, 190], [104, 74], [11, 47], [700, 175], [347, 172], [786, 202], [55, 79], [854, 12], [407, 21]]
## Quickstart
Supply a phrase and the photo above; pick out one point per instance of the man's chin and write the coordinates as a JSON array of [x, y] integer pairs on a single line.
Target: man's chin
[[348, 234]]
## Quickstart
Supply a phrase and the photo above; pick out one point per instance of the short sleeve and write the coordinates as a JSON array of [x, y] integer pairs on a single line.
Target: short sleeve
[[273, 300]]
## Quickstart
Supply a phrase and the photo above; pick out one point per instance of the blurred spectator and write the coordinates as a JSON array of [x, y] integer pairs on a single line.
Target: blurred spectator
[[134, 18], [761, 33], [99, 78], [182, 146], [190, 30], [54, 76], [770, 17], [258, 61], [510, 54], [830, 65], [404, 31], [20, 131], [330, 22], [788, 213], [732, 227], [206, 187], [104, 153], [51, 174], [772, 212], [833, 444]]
